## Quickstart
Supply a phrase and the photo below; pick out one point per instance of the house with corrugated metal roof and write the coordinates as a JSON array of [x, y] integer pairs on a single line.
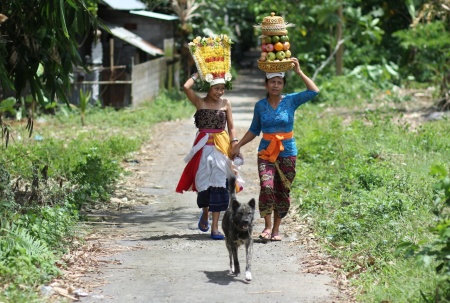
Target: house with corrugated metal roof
[[133, 61]]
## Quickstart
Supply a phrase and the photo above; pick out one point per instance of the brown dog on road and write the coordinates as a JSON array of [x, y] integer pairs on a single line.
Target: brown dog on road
[[237, 225]]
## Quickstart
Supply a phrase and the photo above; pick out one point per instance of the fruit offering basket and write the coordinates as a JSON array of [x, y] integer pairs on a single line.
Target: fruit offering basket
[[275, 66], [275, 45]]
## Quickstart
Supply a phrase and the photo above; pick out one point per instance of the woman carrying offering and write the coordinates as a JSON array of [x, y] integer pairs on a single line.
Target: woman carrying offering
[[208, 162], [277, 152]]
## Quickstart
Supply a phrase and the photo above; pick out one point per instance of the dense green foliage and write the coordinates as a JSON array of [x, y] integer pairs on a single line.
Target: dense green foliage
[[61, 170], [39, 45], [384, 42], [366, 186], [431, 43]]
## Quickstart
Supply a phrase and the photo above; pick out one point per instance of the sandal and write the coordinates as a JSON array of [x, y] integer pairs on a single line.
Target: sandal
[[265, 235], [217, 235], [204, 223], [275, 238]]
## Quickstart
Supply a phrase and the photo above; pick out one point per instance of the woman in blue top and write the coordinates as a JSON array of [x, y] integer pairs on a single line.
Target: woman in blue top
[[277, 152]]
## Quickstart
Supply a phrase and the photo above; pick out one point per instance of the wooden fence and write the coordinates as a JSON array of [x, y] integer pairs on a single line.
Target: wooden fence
[[120, 86]]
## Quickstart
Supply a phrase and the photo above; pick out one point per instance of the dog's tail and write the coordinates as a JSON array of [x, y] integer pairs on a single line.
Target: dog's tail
[[232, 187]]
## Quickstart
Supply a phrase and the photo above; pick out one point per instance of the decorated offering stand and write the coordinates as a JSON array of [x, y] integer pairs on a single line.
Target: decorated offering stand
[[212, 56], [275, 45]]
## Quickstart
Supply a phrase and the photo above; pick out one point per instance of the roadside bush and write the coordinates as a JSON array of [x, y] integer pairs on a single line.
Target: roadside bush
[[20, 250], [6, 195], [25, 260], [95, 178], [50, 224], [437, 251]]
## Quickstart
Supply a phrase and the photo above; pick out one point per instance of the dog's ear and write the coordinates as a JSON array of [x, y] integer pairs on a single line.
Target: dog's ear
[[235, 204], [252, 203]]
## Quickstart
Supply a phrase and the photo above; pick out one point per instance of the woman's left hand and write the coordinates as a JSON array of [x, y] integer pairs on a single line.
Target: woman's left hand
[[309, 83], [297, 68]]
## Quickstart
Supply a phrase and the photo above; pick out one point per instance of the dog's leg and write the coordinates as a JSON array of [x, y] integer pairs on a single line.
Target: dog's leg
[[231, 258], [248, 252], [237, 268]]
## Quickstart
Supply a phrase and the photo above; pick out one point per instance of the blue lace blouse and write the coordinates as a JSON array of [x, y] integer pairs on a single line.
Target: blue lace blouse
[[279, 120]]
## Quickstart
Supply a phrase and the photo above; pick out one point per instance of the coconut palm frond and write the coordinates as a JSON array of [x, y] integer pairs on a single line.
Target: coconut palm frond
[[185, 9]]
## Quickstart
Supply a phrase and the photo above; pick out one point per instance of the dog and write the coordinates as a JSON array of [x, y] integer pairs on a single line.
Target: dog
[[237, 225]]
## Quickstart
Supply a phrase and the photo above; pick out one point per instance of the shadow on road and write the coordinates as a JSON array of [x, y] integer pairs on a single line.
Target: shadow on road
[[222, 278]]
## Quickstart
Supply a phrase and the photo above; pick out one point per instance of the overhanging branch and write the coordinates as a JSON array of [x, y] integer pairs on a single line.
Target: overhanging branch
[[325, 63]]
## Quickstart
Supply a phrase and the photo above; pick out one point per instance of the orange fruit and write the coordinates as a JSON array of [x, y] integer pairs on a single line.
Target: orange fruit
[[278, 46]]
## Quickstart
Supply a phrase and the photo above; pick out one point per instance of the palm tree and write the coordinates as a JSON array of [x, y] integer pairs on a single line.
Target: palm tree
[[185, 9]]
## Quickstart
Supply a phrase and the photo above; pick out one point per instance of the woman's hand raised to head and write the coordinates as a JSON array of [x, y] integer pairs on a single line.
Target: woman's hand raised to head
[[192, 96], [308, 82], [297, 68]]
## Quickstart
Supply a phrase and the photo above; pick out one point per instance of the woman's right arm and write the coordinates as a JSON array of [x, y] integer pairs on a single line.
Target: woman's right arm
[[192, 96]]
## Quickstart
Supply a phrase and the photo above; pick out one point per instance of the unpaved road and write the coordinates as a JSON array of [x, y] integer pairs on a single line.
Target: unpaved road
[[159, 255]]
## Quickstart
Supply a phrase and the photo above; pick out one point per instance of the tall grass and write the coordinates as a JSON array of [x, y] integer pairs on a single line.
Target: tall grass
[[365, 181]]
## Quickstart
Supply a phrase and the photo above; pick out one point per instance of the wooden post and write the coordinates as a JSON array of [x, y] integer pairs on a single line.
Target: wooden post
[[131, 80], [112, 88], [111, 57], [169, 55]]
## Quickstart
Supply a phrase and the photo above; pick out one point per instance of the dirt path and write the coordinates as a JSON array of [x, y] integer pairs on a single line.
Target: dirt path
[[150, 249]]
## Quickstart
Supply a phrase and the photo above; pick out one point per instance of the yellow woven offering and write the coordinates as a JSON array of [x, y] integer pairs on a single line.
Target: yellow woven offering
[[212, 57]]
